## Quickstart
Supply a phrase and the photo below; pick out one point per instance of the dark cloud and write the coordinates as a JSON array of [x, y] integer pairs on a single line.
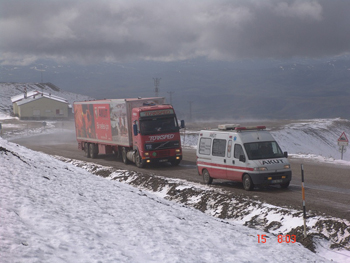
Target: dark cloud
[[122, 30]]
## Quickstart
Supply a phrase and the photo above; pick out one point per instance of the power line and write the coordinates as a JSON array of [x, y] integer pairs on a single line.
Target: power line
[[171, 96], [156, 85]]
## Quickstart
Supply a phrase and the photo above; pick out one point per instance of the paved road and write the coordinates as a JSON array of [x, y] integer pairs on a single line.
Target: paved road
[[327, 186]]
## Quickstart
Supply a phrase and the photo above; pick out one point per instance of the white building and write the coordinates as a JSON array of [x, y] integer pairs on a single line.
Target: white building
[[39, 105]]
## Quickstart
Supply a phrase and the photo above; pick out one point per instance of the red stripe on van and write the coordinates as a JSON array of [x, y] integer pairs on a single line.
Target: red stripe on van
[[225, 166]]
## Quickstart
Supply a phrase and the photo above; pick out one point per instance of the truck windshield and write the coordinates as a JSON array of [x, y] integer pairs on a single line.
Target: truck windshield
[[263, 150], [159, 125]]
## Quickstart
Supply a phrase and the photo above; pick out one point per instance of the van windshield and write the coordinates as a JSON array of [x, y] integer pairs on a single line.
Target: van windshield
[[263, 150]]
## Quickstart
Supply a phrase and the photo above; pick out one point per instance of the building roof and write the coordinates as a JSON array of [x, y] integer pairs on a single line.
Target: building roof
[[35, 95]]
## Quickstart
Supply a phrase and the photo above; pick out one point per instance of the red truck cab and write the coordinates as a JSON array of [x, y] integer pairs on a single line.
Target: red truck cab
[[156, 136]]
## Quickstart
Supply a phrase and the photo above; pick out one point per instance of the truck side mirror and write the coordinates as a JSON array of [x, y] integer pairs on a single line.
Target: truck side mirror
[[136, 132], [182, 124], [285, 154], [242, 158]]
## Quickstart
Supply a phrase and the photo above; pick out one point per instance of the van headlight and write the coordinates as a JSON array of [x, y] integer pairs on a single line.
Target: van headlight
[[260, 169], [286, 166]]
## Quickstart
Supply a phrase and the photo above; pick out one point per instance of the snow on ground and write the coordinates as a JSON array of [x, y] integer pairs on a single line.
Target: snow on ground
[[4, 116], [55, 212]]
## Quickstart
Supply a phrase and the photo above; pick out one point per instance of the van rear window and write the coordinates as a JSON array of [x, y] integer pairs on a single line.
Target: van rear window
[[204, 146], [219, 147]]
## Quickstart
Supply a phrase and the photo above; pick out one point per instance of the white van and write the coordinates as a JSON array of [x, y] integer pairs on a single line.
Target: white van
[[244, 154]]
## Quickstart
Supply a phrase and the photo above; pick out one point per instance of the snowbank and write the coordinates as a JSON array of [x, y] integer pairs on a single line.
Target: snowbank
[[55, 212]]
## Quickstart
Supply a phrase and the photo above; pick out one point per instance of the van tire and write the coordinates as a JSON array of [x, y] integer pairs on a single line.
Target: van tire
[[207, 179], [247, 183], [285, 185]]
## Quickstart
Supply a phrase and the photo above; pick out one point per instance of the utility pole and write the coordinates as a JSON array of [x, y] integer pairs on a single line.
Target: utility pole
[[156, 85], [171, 97], [190, 102]]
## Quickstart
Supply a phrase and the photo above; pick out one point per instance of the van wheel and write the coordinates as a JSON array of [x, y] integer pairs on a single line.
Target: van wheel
[[285, 185], [124, 158], [247, 183], [207, 179], [86, 150]]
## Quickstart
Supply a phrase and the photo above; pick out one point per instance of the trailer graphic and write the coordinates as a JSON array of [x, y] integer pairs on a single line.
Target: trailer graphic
[[139, 130]]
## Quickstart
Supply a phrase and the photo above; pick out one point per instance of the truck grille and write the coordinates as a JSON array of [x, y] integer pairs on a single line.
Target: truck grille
[[162, 145], [162, 154]]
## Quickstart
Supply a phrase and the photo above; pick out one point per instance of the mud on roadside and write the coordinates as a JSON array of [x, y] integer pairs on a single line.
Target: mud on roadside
[[236, 208]]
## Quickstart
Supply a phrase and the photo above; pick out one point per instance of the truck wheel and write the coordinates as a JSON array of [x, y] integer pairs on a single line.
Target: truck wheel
[[92, 150], [207, 179], [86, 150], [117, 154], [139, 162], [247, 183], [124, 158], [285, 185]]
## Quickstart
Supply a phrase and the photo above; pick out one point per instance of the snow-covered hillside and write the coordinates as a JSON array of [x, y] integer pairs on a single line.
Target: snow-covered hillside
[[7, 90], [51, 211], [314, 138]]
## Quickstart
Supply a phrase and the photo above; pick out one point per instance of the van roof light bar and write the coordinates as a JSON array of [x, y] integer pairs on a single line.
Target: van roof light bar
[[227, 127], [250, 128], [237, 127]]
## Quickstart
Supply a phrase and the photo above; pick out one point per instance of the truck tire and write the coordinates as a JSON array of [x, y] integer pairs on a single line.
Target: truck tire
[[138, 160], [124, 157], [247, 183], [86, 150], [93, 150], [207, 179], [117, 154]]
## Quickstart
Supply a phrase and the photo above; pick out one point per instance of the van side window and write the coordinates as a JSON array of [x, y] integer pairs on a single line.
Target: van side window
[[204, 146], [219, 147], [238, 151]]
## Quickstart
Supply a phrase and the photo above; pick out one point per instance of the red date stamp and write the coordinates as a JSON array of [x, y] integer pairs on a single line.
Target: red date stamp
[[280, 239]]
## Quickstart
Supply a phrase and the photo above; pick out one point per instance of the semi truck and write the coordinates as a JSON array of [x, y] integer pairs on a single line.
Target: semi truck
[[140, 130], [244, 154]]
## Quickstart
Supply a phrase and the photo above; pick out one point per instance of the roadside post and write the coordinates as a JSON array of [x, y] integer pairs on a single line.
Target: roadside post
[[342, 143], [303, 192], [0, 130]]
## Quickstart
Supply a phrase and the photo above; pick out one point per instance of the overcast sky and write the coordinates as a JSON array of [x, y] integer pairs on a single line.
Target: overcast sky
[[91, 31]]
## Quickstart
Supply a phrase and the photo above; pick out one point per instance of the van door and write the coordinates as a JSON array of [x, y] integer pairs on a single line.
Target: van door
[[235, 167], [219, 159]]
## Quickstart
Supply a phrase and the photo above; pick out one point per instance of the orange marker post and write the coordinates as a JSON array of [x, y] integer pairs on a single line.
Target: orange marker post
[[303, 192]]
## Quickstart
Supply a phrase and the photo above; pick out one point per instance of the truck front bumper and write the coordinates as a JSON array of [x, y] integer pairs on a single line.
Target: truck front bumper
[[271, 178]]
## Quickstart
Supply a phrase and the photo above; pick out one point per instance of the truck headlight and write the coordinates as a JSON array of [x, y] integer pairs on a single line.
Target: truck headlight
[[260, 169], [177, 150], [286, 166]]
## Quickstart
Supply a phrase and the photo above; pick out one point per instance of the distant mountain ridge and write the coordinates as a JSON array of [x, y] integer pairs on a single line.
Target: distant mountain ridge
[[202, 89], [8, 90]]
